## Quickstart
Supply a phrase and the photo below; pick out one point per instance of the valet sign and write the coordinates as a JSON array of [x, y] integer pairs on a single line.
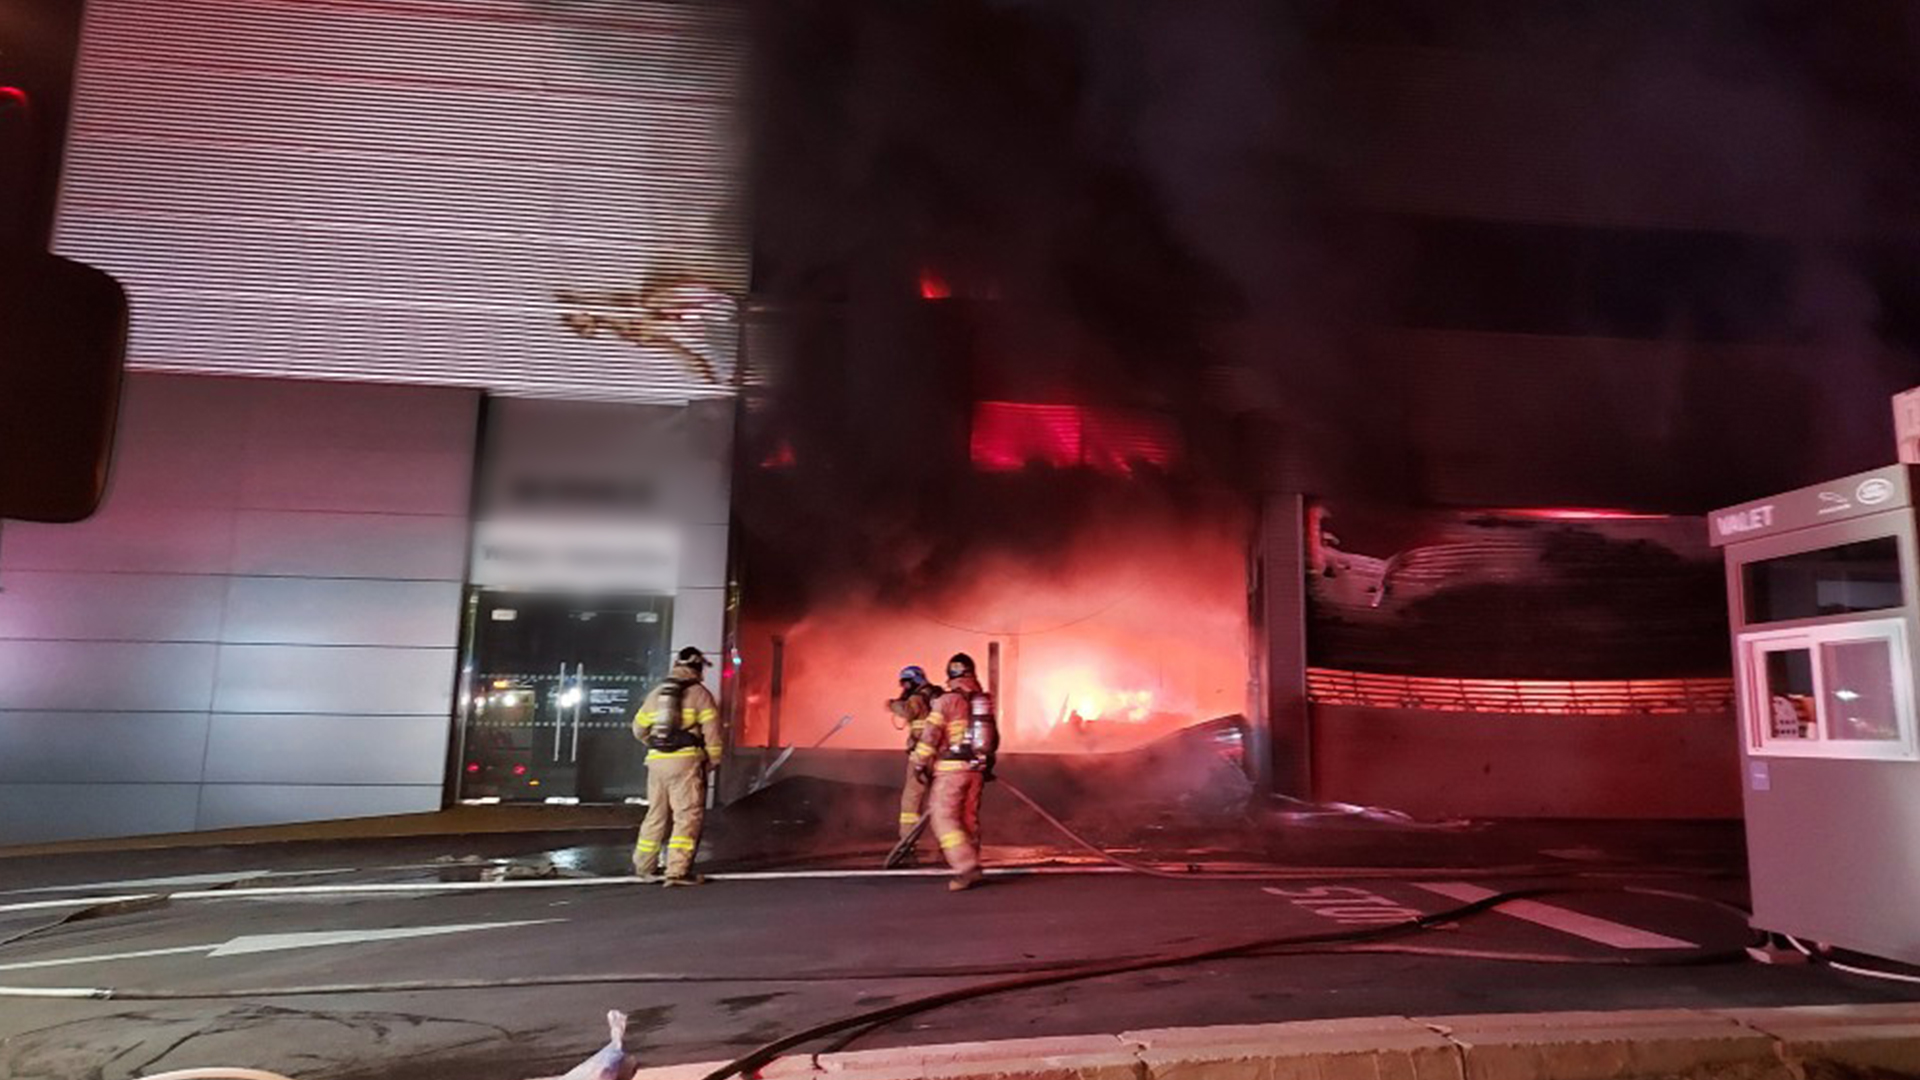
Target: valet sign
[[559, 556]]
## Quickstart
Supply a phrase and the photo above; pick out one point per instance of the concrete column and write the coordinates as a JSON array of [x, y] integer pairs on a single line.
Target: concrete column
[[1280, 746]]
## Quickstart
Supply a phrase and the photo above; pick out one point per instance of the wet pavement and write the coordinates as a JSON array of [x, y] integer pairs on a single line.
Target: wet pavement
[[386, 958]]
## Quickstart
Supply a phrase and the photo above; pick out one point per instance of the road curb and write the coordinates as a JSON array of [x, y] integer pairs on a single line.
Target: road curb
[[1745, 1044]]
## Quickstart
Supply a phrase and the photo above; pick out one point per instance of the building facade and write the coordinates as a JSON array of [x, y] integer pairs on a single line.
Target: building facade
[[423, 468]]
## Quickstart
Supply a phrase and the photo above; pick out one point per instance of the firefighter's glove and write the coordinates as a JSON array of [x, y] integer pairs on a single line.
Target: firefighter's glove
[[924, 775]]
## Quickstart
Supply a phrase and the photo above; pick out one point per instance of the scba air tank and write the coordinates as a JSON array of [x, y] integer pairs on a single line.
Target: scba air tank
[[983, 730]]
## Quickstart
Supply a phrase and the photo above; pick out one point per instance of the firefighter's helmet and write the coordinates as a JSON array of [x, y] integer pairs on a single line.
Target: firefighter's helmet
[[961, 664]]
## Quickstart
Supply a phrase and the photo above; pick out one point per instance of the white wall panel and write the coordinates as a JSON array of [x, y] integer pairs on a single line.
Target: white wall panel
[[86, 747], [373, 481], [139, 648], [41, 813], [532, 198], [184, 440], [110, 607], [274, 543], [125, 537], [703, 563], [229, 806], [322, 611], [332, 679], [327, 749], [293, 419], [97, 676], [699, 618]]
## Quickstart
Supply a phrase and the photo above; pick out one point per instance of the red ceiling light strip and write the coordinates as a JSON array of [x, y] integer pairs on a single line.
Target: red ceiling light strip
[[1577, 513], [1010, 436]]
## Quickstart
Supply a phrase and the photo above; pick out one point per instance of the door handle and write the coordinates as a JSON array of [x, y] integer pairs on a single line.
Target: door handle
[[579, 701], [559, 709]]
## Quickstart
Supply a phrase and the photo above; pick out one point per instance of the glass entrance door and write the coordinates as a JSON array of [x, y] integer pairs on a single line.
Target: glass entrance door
[[551, 684]]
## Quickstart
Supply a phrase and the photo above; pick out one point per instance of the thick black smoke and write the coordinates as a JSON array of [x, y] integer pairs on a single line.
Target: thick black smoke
[[1216, 211], [966, 141]]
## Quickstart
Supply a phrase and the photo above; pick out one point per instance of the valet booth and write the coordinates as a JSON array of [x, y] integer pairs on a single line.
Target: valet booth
[[1821, 593]]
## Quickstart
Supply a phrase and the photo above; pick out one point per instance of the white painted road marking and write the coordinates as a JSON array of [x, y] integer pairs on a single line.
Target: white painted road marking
[[1567, 922], [259, 943], [1346, 904]]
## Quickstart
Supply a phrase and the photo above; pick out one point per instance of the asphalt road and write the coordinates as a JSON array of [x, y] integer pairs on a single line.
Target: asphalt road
[[505, 983]]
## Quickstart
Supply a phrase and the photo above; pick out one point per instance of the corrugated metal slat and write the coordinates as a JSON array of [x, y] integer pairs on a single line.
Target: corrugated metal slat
[[530, 198]]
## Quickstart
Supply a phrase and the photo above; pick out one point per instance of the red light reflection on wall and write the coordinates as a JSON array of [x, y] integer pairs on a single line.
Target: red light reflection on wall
[[1010, 436], [782, 457], [933, 286]]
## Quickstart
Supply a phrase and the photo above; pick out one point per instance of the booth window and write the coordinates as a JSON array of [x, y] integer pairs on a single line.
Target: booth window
[[1860, 696], [1862, 576], [1830, 691], [1790, 713]]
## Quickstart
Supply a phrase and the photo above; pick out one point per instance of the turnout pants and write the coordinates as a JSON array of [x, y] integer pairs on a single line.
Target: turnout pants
[[955, 805], [913, 801], [676, 804]]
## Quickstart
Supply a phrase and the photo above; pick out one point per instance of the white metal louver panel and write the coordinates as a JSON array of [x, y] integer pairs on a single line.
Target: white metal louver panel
[[531, 197]]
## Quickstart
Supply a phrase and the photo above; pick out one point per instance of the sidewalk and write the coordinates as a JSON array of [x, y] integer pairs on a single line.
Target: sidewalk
[[1796, 1043]]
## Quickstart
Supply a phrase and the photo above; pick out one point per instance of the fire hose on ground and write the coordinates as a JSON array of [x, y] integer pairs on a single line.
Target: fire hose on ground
[[1015, 977], [861, 1023], [1043, 974]]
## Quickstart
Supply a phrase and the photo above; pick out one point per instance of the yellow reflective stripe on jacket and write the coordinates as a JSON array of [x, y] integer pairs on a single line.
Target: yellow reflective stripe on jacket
[[689, 717], [685, 751], [952, 766]]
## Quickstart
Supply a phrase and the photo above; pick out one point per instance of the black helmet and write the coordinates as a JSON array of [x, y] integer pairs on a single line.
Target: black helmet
[[692, 658], [961, 664]]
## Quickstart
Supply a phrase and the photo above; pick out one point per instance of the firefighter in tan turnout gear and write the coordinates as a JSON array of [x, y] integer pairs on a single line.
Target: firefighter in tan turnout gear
[[911, 710], [957, 750], [680, 723]]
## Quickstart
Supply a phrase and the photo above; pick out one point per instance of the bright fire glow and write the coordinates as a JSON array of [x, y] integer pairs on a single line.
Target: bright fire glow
[[1137, 631], [1081, 694]]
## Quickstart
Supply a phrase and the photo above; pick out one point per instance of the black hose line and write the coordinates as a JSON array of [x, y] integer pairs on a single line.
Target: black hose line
[[611, 978], [872, 1019], [853, 1028]]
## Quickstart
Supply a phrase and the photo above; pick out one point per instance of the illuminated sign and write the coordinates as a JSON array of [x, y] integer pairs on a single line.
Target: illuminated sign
[[1850, 497]]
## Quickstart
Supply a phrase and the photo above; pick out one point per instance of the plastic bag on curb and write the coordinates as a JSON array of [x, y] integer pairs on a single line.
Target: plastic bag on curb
[[612, 1062]]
